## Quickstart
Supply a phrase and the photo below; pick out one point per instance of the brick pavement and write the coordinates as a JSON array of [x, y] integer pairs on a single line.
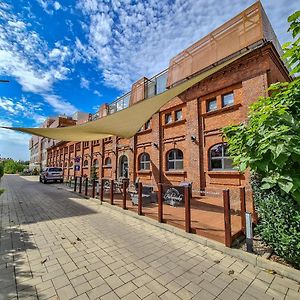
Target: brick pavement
[[56, 245]]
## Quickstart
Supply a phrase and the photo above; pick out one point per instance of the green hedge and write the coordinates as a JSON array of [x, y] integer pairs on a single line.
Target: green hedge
[[279, 224]]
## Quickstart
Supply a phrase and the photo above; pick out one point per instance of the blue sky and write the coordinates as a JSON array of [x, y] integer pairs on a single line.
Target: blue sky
[[68, 55]]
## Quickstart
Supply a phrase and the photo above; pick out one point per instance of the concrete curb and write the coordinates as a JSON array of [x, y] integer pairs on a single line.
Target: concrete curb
[[250, 258]]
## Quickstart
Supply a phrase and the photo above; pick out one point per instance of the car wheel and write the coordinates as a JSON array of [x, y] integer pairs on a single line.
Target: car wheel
[[40, 179], [61, 181], [45, 180]]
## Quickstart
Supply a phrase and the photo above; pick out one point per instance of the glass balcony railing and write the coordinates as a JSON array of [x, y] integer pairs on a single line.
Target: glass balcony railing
[[154, 86], [119, 104]]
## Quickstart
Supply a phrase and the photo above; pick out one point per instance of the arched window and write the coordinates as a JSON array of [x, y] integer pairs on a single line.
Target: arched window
[[107, 162], [71, 164], [175, 160], [144, 161], [219, 157], [95, 163], [86, 163]]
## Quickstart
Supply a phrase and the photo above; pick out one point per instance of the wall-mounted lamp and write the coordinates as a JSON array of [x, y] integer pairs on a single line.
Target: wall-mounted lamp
[[131, 149], [193, 138], [155, 145]]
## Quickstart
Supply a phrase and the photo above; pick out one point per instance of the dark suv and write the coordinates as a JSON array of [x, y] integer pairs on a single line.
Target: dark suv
[[52, 173]]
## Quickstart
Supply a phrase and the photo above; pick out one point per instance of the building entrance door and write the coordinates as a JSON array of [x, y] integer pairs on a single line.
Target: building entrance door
[[123, 166]]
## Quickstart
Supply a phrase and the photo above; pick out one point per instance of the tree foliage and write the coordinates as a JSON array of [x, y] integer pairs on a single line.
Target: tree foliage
[[13, 167], [269, 143], [292, 49]]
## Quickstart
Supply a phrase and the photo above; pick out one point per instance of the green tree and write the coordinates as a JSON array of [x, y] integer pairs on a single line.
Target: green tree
[[10, 167], [269, 144]]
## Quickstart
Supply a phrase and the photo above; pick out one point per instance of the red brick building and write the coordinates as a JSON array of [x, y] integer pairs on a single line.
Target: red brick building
[[183, 141]]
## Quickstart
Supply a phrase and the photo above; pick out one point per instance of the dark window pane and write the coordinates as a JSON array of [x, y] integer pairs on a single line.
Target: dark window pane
[[170, 165], [147, 125], [147, 166], [179, 154], [227, 163], [171, 155], [178, 115], [212, 105], [179, 165], [216, 164], [226, 150], [168, 118], [227, 99], [216, 151]]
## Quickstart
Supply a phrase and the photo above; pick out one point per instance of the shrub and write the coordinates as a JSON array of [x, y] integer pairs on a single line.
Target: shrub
[[269, 144], [279, 224], [1, 191], [1, 170]]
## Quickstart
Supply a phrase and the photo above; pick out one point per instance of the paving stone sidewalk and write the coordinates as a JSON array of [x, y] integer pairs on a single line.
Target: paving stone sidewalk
[[55, 245]]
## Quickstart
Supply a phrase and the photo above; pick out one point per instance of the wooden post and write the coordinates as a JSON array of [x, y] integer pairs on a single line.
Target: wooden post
[[160, 203], [86, 186], [227, 218], [111, 192], [124, 194], [101, 191], [93, 188], [255, 216], [187, 206], [80, 184], [243, 208], [75, 183], [140, 198]]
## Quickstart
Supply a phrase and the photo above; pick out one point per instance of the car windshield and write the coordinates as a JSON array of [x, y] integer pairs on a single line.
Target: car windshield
[[55, 169]]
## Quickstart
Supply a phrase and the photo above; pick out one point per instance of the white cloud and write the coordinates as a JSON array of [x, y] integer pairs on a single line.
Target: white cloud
[[28, 58], [97, 93], [57, 5], [84, 83], [60, 105], [22, 108], [134, 40]]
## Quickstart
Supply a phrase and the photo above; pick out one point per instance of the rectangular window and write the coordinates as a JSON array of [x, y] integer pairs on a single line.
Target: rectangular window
[[178, 115], [227, 100], [147, 125], [211, 105], [168, 118]]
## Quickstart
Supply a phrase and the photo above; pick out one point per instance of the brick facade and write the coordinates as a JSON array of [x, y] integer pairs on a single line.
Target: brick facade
[[195, 134]]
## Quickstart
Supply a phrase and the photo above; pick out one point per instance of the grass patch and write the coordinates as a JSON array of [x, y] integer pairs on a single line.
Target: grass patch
[[1, 191]]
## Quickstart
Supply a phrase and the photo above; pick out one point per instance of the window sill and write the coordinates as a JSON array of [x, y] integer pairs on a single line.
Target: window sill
[[144, 131], [175, 172], [174, 123], [106, 167], [222, 110], [144, 172], [224, 172]]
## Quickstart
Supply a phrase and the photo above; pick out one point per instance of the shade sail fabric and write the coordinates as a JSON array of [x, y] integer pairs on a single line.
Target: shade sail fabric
[[124, 123]]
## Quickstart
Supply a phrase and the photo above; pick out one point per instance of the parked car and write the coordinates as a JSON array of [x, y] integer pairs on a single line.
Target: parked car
[[52, 173]]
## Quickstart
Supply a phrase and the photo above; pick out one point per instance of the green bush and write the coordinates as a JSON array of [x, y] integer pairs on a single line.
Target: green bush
[[1, 191], [1, 170], [269, 144], [279, 224]]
